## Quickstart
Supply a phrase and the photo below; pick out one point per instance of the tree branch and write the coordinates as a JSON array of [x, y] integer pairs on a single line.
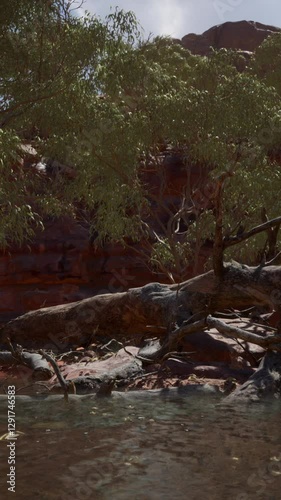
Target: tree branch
[[20, 107], [234, 240], [269, 342], [60, 377]]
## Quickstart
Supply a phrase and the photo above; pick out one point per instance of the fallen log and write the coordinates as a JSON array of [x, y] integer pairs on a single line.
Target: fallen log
[[154, 307], [34, 361]]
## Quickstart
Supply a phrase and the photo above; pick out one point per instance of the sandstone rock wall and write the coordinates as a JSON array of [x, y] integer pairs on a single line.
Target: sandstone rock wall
[[64, 265]]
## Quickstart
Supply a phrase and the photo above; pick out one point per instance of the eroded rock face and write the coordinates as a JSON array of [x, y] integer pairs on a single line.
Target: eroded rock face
[[63, 266], [241, 35]]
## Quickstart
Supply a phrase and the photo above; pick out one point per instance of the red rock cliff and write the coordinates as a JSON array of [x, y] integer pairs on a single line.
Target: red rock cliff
[[241, 35]]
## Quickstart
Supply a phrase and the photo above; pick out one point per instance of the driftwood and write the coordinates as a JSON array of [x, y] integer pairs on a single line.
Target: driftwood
[[34, 361], [272, 342], [60, 378]]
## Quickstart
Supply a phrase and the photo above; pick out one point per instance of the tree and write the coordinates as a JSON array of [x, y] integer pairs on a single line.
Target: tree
[[53, 72], [266, 64], [221, 119], [102, 101], [103, 98]]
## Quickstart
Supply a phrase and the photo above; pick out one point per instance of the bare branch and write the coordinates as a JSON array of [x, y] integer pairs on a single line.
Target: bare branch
[[268, 342], [270, 262], [57, 371], [234, 240]]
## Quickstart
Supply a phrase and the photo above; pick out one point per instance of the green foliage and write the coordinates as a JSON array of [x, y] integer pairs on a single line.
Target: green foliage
[[93, 95], [52, 74], [165, 255], [267, 62], [17, 218]]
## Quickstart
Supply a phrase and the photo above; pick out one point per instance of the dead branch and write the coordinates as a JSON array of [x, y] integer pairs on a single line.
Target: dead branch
[[60, 378], [34, 361], [269, 342], [234, 240], [170, 344]]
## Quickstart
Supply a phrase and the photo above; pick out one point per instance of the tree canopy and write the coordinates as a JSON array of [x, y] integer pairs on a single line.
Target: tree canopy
[[95, 95]]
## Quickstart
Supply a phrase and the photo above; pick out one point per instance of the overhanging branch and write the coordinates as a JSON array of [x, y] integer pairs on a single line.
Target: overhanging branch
[[234, 240]]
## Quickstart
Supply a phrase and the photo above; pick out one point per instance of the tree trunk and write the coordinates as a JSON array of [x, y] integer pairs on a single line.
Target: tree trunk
[[218, 240], [146, 310]]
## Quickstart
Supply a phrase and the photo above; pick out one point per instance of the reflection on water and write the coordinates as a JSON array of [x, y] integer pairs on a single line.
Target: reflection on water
[[144, 450]]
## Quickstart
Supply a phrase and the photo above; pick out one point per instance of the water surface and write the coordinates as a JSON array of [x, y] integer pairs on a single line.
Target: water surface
[[155, 449]]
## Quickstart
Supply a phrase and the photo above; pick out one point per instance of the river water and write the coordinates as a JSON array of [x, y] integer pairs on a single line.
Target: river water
[[144, 449]]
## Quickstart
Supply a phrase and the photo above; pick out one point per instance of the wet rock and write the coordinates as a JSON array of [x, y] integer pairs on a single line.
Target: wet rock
[[100, 375], [210, 371]]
